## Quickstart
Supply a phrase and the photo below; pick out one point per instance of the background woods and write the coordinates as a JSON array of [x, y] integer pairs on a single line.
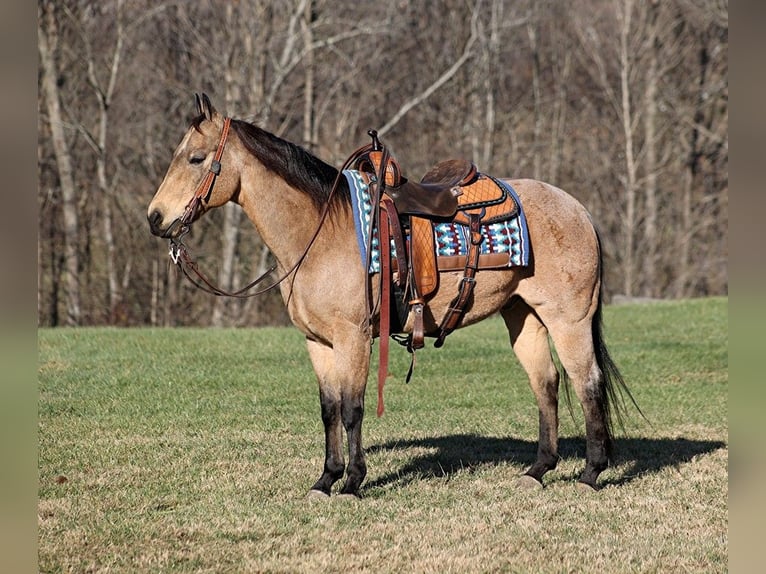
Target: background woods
[[623, 103]]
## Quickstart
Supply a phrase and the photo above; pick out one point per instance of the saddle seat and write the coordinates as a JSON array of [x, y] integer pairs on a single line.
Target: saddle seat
[[436, 194]]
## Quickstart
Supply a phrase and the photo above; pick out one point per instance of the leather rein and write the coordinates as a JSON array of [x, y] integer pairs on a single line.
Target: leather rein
[[180, 256]]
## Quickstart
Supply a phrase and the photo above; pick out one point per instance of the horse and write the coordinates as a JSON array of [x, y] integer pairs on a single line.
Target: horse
[[301, 208]]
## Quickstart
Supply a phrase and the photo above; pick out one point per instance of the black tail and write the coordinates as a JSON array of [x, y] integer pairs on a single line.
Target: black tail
[[613, 386]]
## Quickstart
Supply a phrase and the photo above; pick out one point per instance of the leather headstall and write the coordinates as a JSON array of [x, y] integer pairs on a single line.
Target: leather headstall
[[205, 188]]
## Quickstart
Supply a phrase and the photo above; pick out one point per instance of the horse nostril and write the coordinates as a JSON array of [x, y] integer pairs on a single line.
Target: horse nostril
[[155, 219]]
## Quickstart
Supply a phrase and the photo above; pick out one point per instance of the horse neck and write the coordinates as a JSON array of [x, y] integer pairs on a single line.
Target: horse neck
[[285, 217]]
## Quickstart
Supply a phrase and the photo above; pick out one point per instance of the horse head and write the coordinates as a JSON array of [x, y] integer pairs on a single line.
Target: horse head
[[201, 175]]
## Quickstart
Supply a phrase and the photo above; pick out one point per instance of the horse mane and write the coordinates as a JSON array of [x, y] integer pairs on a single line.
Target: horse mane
[[298, 167]]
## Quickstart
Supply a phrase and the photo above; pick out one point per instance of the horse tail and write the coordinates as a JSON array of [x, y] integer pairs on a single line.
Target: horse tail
[[613, 388]]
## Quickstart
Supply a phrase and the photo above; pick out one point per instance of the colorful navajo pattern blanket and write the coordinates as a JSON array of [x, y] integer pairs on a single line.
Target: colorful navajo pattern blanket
[[504, 237]]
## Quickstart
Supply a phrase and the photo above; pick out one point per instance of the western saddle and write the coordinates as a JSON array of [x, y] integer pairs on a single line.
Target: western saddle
[[405, 213]]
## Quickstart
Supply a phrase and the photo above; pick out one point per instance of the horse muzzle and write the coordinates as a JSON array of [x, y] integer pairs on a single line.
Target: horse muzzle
[[157, 227]]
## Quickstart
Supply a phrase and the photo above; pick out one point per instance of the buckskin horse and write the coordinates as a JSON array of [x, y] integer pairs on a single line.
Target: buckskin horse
[[301, 208]]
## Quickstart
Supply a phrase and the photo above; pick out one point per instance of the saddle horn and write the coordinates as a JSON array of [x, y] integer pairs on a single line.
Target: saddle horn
[[375, 141], [390, 173]]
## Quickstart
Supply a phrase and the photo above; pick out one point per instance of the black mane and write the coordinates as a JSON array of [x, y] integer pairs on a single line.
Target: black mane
[[301, 169]]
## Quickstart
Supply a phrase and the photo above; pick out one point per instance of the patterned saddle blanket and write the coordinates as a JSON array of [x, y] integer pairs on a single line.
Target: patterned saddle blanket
[[505, 236]]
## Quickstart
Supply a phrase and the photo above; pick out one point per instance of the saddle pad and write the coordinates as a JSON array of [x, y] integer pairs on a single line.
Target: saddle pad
[[506, 243], [504, 237], [361, 208]]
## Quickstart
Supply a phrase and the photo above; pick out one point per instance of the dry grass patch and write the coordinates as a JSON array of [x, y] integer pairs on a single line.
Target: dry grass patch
[[155, 460]]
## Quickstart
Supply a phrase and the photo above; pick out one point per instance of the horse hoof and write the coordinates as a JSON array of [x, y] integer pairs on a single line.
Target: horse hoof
[[348, 496], [585, 487], [529, 482], [316, 495]]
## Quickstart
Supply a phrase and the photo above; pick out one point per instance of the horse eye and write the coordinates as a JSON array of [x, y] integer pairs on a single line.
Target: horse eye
[[196, 158]]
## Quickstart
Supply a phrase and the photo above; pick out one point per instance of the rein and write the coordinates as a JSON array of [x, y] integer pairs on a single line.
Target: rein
[[180, 256]]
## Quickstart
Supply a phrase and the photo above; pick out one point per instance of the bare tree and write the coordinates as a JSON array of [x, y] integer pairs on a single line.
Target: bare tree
[[706, 143], [236, 34], [561, 68], [442, 79], [47, 42], [103, 90], [625, 17]]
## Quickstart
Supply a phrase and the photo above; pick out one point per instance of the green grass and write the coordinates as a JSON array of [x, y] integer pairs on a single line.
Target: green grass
[[190, 450]]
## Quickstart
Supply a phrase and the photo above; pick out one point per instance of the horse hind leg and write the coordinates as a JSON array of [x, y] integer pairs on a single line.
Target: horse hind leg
[[529, 339], [576, 349]]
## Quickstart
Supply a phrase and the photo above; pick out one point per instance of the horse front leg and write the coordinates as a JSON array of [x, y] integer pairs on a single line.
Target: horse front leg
[[330, 401], [352, 360], [352, 413], [342, 372]]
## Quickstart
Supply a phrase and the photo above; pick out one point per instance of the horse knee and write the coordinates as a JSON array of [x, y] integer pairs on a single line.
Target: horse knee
[[352, 413], [331, 407]]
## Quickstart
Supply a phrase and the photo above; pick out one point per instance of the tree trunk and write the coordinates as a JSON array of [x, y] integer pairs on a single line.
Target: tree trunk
[[231, 221], [483, 132], [536, 159], [308, 89], [222, 306], [47, 38], [650, 239], [559, 116], [690, 175], [629, 231], [104, 98]]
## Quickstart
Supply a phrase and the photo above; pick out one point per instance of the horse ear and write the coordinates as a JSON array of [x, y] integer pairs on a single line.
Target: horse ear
[[207, 108], [204, 107]]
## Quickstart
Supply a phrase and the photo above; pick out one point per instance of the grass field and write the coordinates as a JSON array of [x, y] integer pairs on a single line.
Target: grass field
[[191, 450]]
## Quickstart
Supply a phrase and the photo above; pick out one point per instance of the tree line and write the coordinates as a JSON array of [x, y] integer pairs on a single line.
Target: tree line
[[623, 103]]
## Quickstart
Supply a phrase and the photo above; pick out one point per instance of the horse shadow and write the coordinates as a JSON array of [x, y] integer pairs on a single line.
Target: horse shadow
[[445, 456]]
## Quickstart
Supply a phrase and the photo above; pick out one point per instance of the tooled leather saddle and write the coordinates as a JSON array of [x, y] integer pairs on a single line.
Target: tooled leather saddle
[[452, 191]]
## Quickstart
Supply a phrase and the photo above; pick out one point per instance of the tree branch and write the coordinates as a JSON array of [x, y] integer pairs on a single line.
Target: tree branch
[[439, 82]]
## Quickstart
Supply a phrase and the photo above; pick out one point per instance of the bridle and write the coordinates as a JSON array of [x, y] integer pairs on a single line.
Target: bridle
[[205, 188], [179, 254]]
